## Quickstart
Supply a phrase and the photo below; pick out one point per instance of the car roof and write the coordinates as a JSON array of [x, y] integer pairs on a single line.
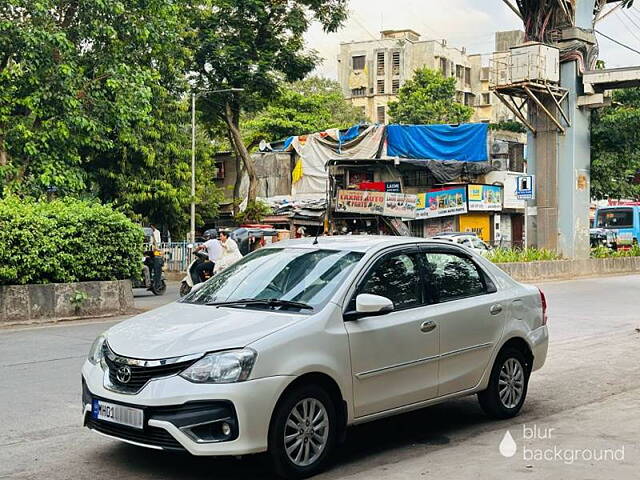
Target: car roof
[[355, 243]]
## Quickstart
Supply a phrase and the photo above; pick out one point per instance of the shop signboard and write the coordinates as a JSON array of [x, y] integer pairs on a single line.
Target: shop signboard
[[358, 201], [442, 202], [376, 203], [400, 205], [393, 187], [485, 198]]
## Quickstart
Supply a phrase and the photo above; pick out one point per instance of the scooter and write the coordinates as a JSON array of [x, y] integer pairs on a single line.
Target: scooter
[[192, 278], [155, 262]]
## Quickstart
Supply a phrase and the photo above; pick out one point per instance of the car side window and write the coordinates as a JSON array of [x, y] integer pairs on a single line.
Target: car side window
[[452, 276], [397, 277]]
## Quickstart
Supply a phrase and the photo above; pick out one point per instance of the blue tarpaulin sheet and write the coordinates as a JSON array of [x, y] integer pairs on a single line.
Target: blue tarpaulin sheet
[[466, 142]]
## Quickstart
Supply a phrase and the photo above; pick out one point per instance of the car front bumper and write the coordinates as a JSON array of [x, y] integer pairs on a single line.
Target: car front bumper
[[174, 407]]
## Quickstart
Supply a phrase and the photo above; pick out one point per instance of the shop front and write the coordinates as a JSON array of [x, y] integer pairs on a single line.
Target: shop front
[[483, 217]]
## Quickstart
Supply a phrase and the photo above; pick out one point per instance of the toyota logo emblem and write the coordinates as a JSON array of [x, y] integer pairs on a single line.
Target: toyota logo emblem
[[124, 374]]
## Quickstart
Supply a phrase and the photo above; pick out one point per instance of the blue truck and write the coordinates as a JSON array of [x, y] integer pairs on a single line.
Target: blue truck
[[623, 220]]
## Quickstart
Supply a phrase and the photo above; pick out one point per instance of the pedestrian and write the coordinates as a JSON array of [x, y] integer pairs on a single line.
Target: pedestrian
[[214, 252], [156, 239], [230, 252]]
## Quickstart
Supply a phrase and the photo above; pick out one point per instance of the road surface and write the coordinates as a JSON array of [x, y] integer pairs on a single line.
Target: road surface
[[584, 400]]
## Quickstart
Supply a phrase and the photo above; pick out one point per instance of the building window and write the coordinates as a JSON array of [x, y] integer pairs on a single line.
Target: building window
[[417, 178], [382, 117], [359, 92], [484, 74], [395, 64], [358, 62], [486, 99], [467, 76], [395, 86], [459, 71], [469, 99], [443, 67], [380, 69], [381, 86]]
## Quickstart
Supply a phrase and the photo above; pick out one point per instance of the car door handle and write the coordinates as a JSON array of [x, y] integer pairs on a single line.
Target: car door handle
[[427, 327], [495, 309]]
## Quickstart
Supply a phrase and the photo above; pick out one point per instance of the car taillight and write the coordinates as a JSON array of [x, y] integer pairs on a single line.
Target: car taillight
[[543, 300]]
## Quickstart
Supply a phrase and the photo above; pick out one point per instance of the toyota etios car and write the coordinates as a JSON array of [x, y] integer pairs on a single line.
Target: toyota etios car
[[286, 348]]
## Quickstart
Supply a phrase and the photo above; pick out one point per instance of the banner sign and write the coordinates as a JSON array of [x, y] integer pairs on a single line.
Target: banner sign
[[376, 203], [400, 205], [393, 187], [442, 203], [485, 198], [525, 187], [358, 201]]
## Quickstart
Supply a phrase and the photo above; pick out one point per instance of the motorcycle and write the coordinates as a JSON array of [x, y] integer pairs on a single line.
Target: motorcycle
[[192, 278], [156, 281]]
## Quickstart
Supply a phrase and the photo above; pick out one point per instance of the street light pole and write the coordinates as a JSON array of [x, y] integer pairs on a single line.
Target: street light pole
[[192, 232], [193, 169]]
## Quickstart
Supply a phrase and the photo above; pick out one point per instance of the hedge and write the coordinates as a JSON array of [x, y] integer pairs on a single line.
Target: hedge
[[66, 240]]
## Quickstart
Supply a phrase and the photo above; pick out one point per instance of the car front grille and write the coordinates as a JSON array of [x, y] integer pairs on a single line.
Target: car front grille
[[139, 373], [154, 436]]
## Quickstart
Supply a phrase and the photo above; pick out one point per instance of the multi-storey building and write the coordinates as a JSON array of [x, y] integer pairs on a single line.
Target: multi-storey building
[[372, 71]]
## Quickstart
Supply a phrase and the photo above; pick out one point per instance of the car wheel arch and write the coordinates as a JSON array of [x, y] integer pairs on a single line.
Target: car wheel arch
[[328, 384], [520, 344]]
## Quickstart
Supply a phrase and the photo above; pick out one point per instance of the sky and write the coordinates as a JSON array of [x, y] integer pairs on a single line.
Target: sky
[[463, 23]]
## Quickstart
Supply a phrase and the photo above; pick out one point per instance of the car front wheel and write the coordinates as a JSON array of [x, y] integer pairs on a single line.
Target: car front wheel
[[508, 384], [302, 433]]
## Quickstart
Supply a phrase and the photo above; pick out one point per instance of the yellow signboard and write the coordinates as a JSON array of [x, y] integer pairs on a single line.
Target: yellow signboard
[[478, 223]]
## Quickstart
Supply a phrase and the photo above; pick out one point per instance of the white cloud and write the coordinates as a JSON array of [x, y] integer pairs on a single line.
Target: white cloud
[[468, 23]]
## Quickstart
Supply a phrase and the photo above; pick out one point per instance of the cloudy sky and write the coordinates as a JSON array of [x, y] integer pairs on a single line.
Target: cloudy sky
[[468, 23]]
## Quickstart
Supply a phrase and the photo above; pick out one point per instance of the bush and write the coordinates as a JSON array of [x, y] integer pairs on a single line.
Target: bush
[[603, 252], [509, 255], [66, 240]]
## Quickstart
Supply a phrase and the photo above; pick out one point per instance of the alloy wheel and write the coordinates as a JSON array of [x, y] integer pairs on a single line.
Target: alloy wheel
[[511, 383], [306, 432]]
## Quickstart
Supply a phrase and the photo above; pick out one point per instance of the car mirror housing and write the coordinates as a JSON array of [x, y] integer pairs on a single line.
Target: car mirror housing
[[368, 305]]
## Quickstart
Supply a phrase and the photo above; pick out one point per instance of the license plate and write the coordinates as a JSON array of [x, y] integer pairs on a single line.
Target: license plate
[[111, 412]]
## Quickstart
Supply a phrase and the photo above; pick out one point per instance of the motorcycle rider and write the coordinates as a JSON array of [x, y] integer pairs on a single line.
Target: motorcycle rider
[[214, 251]]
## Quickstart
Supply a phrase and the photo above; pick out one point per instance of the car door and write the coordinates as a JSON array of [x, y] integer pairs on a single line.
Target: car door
[[470, 312], [393, 356]]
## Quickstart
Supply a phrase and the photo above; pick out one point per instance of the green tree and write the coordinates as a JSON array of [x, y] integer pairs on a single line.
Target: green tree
[[310, 105], [254, 45], [428, 98], [615, 147]]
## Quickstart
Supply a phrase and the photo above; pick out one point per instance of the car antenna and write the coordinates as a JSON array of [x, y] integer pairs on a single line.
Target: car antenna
[[315, 240]]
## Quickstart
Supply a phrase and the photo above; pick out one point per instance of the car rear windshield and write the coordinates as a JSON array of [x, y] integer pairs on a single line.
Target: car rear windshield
[[294, 274], [615, 218]]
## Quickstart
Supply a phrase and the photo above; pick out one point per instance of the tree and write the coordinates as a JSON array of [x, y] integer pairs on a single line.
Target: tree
[[615, 147], [92, 104], [254, 45], [428, 98], [310, 105]]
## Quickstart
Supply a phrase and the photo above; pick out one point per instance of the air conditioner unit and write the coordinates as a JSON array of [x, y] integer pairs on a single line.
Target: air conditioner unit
[[500, 147], [500, 164]]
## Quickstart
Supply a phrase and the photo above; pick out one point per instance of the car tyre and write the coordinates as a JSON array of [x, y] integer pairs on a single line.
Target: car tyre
[[184, 289], [507, 389], [303, 451]]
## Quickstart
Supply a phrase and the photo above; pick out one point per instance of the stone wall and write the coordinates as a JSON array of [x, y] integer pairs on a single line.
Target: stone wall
[[570, 269], [55, 301]]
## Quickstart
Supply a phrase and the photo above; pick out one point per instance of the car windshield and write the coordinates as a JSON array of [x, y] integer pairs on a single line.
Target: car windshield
[[291, 274], [615, 218]]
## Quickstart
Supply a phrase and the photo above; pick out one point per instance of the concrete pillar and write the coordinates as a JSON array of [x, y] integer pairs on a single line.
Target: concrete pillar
[[574, 171]]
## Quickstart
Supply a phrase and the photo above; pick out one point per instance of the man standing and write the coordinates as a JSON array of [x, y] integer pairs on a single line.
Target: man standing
[[230, 252], [214, 252]]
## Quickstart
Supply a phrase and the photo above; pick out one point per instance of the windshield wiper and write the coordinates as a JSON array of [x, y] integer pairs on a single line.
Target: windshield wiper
[[269, 302]]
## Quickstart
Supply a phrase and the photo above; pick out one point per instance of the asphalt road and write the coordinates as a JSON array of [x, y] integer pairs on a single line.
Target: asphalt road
[[588, 393]]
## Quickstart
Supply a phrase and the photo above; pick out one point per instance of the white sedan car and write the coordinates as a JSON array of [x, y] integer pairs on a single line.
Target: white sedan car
[[468, 240], [288, 347]]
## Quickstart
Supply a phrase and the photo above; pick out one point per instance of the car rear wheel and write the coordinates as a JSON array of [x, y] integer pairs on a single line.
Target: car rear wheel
[[508, 384], [302, 433]]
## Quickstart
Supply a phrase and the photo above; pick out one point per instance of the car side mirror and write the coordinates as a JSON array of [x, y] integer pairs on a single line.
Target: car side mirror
[[368, 305]]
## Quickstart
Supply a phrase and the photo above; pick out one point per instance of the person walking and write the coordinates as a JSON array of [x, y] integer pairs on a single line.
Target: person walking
[[230, 252]]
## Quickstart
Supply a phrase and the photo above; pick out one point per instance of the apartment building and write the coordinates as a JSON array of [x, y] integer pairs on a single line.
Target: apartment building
[[372, 71]]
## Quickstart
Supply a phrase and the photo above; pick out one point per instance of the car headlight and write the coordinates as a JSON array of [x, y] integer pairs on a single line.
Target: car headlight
[[222, 367], [96, 354]]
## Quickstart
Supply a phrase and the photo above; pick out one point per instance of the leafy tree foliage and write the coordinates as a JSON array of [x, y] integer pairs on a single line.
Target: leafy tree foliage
[[615, 147], [428, 98], [90, 102], [311, 105], [254, 45]]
